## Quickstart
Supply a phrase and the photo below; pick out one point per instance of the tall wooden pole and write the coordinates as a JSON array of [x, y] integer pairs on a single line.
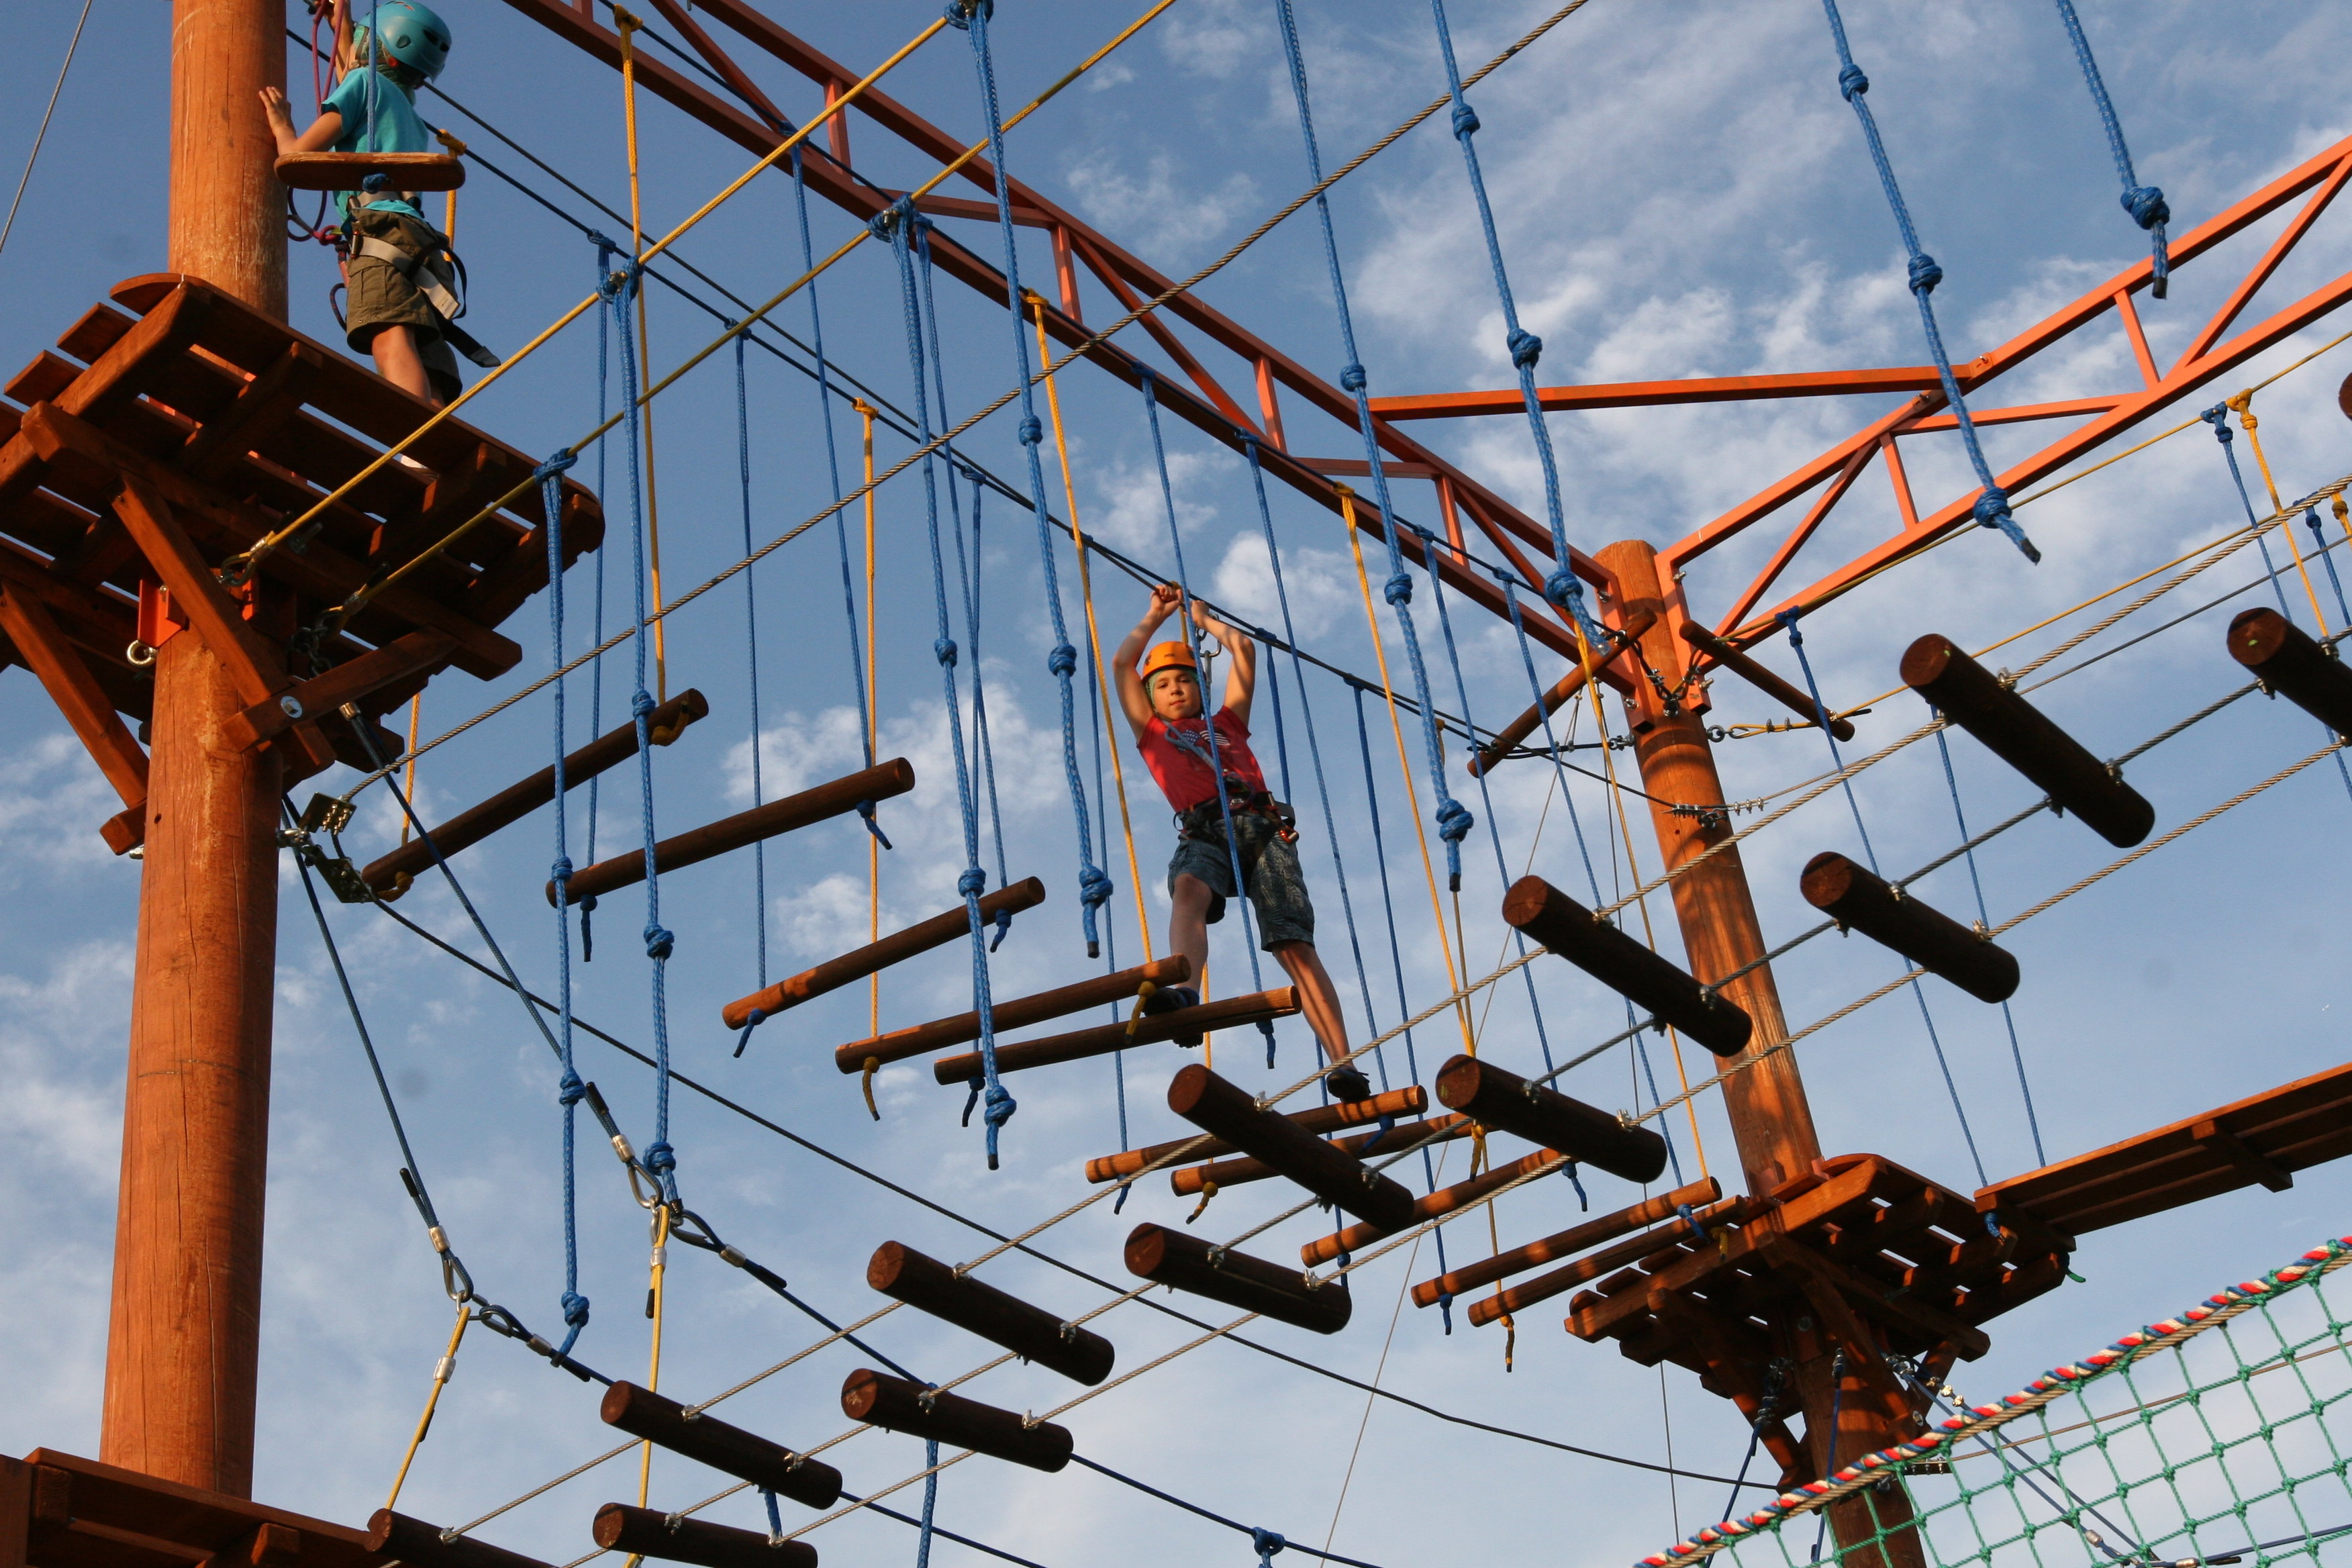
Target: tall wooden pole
[[1770, 1121], [184, 1338]]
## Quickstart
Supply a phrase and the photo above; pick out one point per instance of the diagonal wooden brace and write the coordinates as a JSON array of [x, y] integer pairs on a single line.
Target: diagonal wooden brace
[[346, 682], [60, 669]]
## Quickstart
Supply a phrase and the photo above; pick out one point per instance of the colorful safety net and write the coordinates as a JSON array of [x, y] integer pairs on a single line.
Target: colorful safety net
[[2218, 1437]]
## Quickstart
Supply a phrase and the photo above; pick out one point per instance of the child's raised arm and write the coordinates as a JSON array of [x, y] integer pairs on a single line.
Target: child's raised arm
[[1240, 680], [1133, 699], [322, 132]]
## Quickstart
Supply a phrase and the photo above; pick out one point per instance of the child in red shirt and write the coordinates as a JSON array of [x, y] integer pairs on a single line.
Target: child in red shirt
[[1164, 704]]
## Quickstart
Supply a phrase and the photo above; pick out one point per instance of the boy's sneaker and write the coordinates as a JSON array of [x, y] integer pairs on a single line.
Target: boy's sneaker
[[1173, 999], [1348, 1083]]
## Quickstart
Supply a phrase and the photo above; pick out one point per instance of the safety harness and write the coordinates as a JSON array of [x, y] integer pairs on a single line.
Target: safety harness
[[437, 273]]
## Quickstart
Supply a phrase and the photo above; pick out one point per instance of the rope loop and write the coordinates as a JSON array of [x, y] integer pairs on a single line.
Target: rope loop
[[1924, 274], [945, 650], [973, 883], [2218, 416], [1398, 590], [1455, 821], [1063, 661], [1266, 1544], [1852, 83], [1351, 379], [659, 941], [558, 462], [1526, 348], [1033, 430], [1465, 119]]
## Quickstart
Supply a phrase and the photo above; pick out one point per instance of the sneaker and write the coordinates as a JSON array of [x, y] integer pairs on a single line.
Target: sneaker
[[1348, 1083], [1173, 999]]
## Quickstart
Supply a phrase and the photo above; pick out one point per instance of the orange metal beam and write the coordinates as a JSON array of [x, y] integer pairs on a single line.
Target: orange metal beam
[[1651, 393]]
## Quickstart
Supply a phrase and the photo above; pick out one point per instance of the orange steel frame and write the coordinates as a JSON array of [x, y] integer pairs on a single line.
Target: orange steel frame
[[1521, 540]]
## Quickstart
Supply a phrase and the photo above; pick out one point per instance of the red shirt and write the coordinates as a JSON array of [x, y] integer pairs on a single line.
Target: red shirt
[[1183, 776]]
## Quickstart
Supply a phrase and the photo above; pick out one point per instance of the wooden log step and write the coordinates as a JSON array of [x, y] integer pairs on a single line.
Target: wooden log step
[[1563, 1244], [390, 875], [897, 1405], [1187, 1263], [1634, 1250], [2285, 659], [1189, 1180], [650, 1533], [1411, 1100], [1567, 686], [1229, 1012], [2019, 733], [399, 1537], [1499, 1098], [348, 171], [1214, 1105], [1011, 1013], [1895, 918], [1430, 1205], [875, 957], [1541, 910], [837, 798], [746, 1456], [926, 1284], [1729, 658]]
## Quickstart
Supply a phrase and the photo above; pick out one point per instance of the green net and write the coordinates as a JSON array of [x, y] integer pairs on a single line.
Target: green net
[[2217, 1436]]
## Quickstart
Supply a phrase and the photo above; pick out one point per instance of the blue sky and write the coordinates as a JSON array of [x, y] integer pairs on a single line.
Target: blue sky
[[1680, 192]]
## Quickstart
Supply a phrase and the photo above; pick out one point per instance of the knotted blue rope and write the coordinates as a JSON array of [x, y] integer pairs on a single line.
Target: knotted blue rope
[[930, 1502], [1093, 882], [2144, 203], [1266, 1544], [892, 225], [1453, 820], [569, 1088], [1562, 588], [606, 251], [1191, 633], [1991, 510]]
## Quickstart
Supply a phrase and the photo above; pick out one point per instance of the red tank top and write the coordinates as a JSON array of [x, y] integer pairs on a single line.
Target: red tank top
[[1182, 771]]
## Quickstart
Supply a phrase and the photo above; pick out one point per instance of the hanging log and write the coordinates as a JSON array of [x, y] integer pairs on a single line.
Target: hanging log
[[411, 1541], [837, 798], [1230, 1013], [1187, 1263], [1617, 960], [1498, 1098], [897, 1405], [746, 1456], [1729, 658], [1214, 1105], [1190, 1180], [2287, 662], [1013, 1012], [1855, 896], [1430, 1205], [1563, 1244], [1667, 1238], [1567, 686], [1411, 1100], [650, 1533], [390, 875], [875, 957], [2017, 732], [901, 1273]]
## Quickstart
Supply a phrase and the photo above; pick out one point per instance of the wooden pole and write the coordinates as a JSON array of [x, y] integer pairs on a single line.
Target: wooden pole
[[184, 1336], [1770, 1121]]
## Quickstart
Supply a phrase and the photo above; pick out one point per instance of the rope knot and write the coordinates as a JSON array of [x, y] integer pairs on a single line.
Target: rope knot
[[945, 648], [1351, 379], [1266, 1544], [973, 883], [1465, 119], [1992, 510], [1033, 430], [1398, 590], [1455, 821], [1001, 1106], [560, 871], [660, 1158], [642, 704], [2147, 205], [561, 459], [1063, 661], [1526, 348], [1924, 274], [1094, 887], [569, 1090], [2218, 416], [959, 12], [1852, 83], [1561, 589], [659, 941], [575, 1310]]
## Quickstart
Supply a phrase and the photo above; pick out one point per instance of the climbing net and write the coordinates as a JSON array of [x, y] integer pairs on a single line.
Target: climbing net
[[2218, 1436]]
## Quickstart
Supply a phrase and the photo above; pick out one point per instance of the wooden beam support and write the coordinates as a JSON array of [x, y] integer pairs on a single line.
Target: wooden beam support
[[346, 682], [66, 678]]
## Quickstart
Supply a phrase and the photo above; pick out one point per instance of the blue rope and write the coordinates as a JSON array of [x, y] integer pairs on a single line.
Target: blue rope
[[752, 656], [892, 225], [1453, 820], [569, 1088], [1918, 992], [606, 251], [2144, 203], [1992, 506], [1093, 882], [930, 1501], [1110, 927], [2319, 538], [1191, 633], [2016, 1052]]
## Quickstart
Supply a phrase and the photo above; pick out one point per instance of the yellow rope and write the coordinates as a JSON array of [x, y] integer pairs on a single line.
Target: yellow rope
[[2244, 406], [1404, 761], [1094, 635], [629, 26], [449, 198], [873, 723], [441, 1371], [655, 1300], [416, 710]]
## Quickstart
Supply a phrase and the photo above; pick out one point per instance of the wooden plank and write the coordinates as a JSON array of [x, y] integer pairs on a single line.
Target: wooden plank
[[71, 686], [346, 682], [202, 1522], [101, 328], [1908, 1314], [48, 375], [268, 400]]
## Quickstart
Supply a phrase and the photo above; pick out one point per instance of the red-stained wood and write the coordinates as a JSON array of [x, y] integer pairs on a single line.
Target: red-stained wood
[[1013, 1012], [67, 681]]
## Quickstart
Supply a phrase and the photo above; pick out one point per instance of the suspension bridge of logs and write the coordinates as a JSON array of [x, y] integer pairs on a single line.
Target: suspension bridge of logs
[[230, 555]]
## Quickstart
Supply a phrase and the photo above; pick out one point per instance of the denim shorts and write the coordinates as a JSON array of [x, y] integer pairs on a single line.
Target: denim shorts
[[1278, 891]]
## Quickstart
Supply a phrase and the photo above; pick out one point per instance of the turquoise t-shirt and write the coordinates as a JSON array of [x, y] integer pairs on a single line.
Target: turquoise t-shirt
[[396, 129]]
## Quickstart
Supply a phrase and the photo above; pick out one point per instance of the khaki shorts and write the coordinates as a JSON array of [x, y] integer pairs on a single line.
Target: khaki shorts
[[381, 296]]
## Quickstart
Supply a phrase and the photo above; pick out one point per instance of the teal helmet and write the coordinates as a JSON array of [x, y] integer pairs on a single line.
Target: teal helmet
[[411, 34]]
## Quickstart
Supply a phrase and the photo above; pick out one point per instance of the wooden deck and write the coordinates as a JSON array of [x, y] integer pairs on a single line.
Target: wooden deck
[[60, 1511]]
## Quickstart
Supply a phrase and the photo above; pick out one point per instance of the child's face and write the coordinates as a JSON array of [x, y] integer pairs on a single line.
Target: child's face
[[1176, 694]]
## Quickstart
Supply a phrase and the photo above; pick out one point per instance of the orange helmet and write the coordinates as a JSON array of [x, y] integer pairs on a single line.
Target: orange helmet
[[1170, 656]]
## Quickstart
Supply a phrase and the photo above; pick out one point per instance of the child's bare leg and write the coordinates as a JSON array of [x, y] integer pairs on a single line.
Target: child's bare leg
[[1318, 999], [1188, 925], [399, 362]]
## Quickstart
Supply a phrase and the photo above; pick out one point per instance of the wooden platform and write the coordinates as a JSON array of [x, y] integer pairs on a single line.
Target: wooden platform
[[237, 424], [2264, 1139], [60, 1511]]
